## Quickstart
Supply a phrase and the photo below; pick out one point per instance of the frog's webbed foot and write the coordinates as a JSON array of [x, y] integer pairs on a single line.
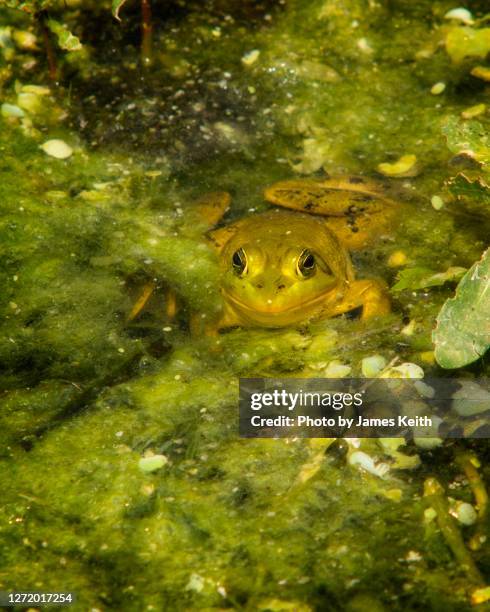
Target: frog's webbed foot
[[355, 208], [144, 297], [201, 324], [370, 294]]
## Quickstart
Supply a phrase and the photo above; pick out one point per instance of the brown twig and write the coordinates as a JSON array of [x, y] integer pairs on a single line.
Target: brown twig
[[147, 31], [436, 497], [48, 46], [468, 462]]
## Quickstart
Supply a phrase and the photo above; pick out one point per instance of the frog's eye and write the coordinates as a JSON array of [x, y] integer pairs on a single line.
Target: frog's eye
[[306, 264], [239, 262]]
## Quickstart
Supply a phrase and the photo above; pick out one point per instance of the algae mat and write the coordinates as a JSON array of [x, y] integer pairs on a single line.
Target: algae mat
[[122, 475]]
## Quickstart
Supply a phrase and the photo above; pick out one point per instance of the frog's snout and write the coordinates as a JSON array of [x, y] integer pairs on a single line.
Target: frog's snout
[[268, 285]]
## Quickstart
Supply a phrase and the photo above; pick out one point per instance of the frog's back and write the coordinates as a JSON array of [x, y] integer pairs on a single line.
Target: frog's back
[[355, 208]]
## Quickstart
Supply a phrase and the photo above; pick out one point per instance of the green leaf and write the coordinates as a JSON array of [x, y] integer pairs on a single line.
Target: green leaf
[[66, 40], [462, 334], [421, 278], [469, 138], [473, 190], [463, 42], [116, 7], [466, 186]]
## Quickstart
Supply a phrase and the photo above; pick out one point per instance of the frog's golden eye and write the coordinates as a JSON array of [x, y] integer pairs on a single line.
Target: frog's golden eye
[[306, 264], [239, 262]]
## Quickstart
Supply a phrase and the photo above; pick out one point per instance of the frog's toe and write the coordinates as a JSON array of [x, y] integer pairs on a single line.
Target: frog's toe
[[374, 297], [369, 294]]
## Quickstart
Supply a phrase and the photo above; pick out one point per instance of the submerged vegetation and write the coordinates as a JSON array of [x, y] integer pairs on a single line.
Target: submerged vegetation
[[122, 476]]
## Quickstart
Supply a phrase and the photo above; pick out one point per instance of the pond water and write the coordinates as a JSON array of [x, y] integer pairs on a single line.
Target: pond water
[[237, 95]]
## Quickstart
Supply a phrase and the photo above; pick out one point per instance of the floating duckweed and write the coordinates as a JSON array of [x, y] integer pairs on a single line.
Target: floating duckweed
[[429, 515], [335, 369], [152, 463], [30, 102], [424, 390], [397, 258], [395, 495], [364, 46], [39, 90], [464, 513], [437, 202], [405, 370], [460, 14], [372, 366], [481, 72], [409, 328], [366, 462], [251, 57], [405, 166], [280, 605], [11, 110], [474, 111], [57, 148], [427, 357], [93, 195], [427, 443], [438, 88], [480, 595], [196, 583], [316, 71], [25, 40], [470, 399], [56, 195]]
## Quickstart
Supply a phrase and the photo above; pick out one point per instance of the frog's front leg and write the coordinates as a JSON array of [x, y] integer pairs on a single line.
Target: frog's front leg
[[370, 294], [146, 294]]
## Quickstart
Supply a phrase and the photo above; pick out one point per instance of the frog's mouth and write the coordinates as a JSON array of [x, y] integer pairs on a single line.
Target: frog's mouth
[[308, 304]]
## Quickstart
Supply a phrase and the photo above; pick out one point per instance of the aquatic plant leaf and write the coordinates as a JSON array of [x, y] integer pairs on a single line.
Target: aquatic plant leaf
[[462, 334], [463, 42], [116, 7], [466, 186], [469, 138], [66, 40], [472, 191], [420, 278]]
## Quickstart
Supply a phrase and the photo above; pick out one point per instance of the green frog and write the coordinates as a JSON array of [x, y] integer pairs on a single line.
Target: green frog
[[284, 267]]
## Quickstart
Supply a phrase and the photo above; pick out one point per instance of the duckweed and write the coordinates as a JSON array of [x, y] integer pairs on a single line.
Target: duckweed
[[123, 478]]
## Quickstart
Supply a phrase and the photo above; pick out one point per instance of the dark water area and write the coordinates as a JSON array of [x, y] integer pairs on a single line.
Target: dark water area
[[123, 477]]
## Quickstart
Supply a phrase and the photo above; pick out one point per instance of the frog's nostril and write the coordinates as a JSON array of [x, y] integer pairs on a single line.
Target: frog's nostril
[[259, 286], [281, 287]]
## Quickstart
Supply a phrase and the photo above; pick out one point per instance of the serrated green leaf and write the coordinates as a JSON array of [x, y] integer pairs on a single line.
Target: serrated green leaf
[[476, 187], [462, 334], [116, 7], [473, 190], [421, 278], [66, 40], [468, 137]]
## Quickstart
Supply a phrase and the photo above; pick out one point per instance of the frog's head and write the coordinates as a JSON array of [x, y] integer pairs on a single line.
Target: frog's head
[[279, 267]]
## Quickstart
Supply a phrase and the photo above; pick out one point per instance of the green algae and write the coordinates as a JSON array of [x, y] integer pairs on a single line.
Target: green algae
[[86, 395]]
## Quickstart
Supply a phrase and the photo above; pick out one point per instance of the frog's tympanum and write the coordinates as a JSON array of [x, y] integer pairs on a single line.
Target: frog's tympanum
[[282, 267]]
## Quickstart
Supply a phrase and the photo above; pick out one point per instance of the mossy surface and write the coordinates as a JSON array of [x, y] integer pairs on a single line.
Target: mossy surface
[[226, 523]]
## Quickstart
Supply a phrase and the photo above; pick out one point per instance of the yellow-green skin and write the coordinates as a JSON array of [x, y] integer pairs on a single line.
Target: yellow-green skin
[[271, 291]]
